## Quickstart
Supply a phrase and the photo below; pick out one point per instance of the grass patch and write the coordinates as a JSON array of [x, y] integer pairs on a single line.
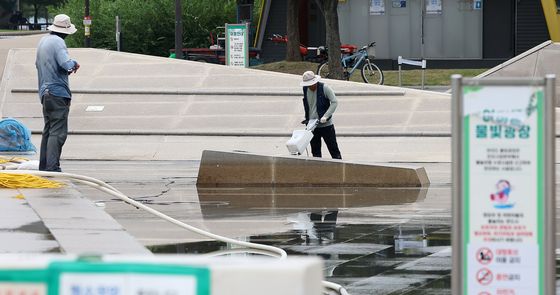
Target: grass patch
[[434, 77], [289, 67]]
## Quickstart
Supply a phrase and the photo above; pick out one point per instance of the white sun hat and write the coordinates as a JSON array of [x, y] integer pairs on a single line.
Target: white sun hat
[[309, 78], [62, 24]]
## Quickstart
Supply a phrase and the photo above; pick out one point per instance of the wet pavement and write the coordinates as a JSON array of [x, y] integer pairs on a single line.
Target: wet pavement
[[367, 259], [373, 240]]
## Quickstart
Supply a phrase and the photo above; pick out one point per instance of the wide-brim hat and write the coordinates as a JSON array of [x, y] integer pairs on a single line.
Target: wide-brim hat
[[309, 78], [62, 24]]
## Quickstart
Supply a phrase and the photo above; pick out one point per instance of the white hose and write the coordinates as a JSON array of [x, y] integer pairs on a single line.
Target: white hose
[[336, 287], [104, 187]]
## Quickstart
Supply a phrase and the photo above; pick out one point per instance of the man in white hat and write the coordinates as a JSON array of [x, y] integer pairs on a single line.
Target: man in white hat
[[319, 102], [53, 67]]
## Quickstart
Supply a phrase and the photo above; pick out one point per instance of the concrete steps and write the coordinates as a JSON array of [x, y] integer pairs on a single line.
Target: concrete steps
[[60, 220]]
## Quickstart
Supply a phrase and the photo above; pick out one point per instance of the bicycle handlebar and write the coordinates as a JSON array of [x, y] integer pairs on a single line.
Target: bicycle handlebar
[[372, 44]]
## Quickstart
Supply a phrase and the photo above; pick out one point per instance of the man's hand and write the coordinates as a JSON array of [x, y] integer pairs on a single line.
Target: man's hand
[[323, 120], [76, 67]]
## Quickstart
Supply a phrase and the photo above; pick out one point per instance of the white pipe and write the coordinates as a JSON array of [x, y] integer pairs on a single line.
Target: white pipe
[[104, 187]]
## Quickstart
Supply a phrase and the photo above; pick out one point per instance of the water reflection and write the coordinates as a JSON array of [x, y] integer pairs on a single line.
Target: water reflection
[[323, 198], [316, 228], [405, 243]]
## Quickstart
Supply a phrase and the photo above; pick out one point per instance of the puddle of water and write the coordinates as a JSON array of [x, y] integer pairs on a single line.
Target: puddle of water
[[37, 227], [43, 233], [351, 253]]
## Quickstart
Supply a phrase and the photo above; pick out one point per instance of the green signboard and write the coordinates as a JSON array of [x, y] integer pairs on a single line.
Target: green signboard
[[503, 185], [237, 45]]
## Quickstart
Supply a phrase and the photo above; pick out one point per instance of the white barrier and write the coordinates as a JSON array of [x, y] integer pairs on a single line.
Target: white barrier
[[158, 275], [417, 63]]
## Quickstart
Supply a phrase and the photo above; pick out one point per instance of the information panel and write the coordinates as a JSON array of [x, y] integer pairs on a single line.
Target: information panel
[[503, 171], [377, 7], [237, 45], [503, 161], [105, 278], [87, 278], [433, 7]]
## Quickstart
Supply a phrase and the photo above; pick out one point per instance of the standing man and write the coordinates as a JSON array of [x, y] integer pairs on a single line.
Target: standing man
[[320, 103], [53, 67]]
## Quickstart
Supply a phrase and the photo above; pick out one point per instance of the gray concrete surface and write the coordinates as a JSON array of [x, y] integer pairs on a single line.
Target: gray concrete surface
[[539, 61], [60, 220], [166, 107], [10, 41], [78, 225]]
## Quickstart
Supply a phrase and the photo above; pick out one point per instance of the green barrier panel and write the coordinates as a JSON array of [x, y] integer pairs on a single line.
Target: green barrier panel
[[96, 278], [102, 278]]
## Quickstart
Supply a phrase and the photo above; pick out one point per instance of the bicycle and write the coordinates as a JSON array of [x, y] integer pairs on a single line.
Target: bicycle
[[362, 59]]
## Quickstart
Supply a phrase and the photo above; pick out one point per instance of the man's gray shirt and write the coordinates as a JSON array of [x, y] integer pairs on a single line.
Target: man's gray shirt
[[312, 103], [53, 65]]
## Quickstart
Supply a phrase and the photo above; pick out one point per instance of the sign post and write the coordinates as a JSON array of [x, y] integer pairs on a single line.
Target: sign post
[[237, 45], [503, 186]]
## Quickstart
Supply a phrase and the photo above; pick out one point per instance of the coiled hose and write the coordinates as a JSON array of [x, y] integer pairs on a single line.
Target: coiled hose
[[104, 187]]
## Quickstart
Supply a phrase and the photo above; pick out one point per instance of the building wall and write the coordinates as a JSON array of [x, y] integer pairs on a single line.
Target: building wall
[[455, 33], [530, 25], [270, 51]]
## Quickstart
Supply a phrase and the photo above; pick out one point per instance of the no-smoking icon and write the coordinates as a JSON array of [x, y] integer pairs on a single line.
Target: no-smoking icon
[[484, 277], [484, 255]]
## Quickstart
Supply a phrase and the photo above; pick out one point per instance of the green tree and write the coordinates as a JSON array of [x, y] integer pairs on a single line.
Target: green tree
[[330, 11], [7, 6], [292, 29], [148, 26]]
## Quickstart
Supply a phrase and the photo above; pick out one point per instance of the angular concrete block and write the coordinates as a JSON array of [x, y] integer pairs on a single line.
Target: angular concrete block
[[231, 168], [234, 169], [377, 175], [304, 171]]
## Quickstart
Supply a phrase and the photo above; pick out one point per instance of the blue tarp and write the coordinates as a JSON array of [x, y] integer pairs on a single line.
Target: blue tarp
[[15, 137]]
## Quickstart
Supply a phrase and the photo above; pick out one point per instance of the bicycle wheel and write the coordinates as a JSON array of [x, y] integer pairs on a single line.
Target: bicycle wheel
[[371, 73], [323, 70]]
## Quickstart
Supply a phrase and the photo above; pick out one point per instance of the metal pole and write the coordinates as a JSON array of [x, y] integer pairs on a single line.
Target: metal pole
[[457, 166], [400, 81], [87, 42], [18, 5], [118, 32], [550, 185], [423, 72], [178, 30], [422, 15]]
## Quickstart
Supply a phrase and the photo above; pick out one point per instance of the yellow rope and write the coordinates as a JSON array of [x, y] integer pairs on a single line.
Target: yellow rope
[[26, 181], [4, 160]]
